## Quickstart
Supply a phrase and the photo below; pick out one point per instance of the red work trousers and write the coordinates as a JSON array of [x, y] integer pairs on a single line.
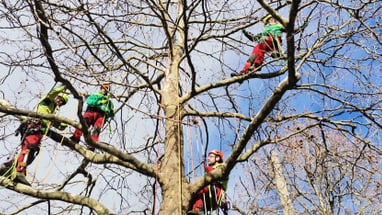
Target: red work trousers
[[270, 44], [207, 197], [95, 119], [29, 151]]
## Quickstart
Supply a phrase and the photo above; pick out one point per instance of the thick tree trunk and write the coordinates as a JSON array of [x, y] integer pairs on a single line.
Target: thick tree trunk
[[171, 174], [171, 171]]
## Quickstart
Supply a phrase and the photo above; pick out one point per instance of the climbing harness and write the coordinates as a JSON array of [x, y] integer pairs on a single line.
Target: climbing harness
[[277, 49], [215, 201]]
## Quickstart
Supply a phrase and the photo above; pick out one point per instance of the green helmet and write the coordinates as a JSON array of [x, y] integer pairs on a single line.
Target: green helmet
[[64, 96]]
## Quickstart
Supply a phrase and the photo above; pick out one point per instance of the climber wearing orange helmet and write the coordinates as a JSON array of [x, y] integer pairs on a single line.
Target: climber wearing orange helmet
[[31, 132], [212, 196]]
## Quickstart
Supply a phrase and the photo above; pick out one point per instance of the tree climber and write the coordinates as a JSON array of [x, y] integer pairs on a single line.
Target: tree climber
[[268, 41], [32, 130], [99, 109], [212, 196]]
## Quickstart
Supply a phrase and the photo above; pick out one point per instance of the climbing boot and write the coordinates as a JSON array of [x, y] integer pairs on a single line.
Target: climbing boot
[[235, 74], [255, 68], [5, 169], [72, 138], [20, 178], [277, 54]]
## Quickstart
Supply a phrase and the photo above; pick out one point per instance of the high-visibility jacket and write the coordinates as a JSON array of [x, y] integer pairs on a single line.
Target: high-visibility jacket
[[102, 103], [273, 30], [47, 104]]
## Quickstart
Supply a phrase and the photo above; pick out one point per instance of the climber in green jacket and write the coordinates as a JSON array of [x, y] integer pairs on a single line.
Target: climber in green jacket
[[268, 41], [99, 109]]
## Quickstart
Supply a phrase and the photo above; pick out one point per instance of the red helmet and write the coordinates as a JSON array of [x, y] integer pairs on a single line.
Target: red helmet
[[217, 153]]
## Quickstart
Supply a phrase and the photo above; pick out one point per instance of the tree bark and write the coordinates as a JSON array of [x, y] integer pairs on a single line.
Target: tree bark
[[281, 185]]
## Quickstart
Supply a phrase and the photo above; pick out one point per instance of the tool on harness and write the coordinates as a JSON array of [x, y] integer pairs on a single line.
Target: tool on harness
[[30, 126], [23, 164]]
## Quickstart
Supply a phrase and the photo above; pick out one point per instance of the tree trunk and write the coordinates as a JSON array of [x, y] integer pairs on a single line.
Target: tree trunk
[[171, 171], [171, 174], [281, 185]]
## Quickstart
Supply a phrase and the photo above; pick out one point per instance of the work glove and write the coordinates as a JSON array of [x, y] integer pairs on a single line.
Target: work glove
[[304, 25], [258, 37], [21, 129], [62, 126], [252, 37]]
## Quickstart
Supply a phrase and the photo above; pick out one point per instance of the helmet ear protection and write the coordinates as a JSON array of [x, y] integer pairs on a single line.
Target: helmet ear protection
[[266, 18], [217, 153], [64, 96]]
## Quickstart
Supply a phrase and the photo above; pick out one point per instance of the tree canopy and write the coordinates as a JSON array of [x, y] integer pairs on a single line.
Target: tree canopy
[[300, 136]]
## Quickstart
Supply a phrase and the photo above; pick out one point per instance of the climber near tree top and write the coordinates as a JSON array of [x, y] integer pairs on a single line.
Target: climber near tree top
[[32, 130], [99, 109], [212, 196], [268, 41]]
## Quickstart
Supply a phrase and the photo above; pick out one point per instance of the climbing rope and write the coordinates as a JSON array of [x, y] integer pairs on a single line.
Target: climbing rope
[[190, 134], [52, 163], [11, 171], [157, 163], [179, 146]]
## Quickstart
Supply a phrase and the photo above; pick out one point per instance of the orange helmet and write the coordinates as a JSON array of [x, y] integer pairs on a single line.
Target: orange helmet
[[217, 153]]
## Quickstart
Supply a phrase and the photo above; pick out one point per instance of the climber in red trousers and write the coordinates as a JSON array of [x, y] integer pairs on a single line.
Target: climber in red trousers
[[212, 196], [99, 109], [268, 41], [32, 131]]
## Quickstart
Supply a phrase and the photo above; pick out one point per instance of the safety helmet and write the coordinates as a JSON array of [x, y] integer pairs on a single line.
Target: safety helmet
[[106, 86], [64, 96], [266, 18], [217, 153]]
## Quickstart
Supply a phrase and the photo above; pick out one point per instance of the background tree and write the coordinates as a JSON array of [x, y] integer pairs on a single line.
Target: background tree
[[317, 111]]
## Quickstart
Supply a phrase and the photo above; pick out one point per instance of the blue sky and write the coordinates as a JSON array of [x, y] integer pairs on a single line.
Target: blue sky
[[249, 97]]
